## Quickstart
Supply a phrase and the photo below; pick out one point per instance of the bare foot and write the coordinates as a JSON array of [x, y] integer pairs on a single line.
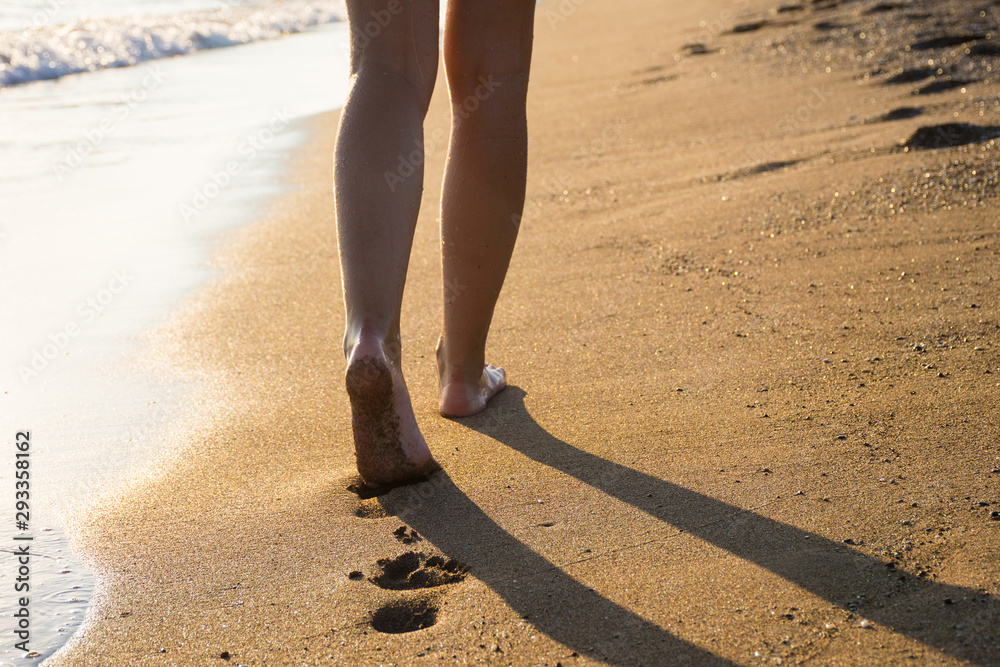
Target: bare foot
[[387, 443], [460, 397]]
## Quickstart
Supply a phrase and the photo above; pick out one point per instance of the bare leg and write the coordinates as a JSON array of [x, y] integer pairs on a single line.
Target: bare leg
[[487, 51], [378, 179]]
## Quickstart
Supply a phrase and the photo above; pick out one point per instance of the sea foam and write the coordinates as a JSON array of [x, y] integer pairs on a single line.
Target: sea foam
[[87, 45]]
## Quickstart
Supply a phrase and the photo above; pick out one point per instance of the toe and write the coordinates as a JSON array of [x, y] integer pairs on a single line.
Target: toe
[[496, 377]]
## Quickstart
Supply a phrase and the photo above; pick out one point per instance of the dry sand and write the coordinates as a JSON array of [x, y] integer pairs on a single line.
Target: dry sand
[[755, 362]]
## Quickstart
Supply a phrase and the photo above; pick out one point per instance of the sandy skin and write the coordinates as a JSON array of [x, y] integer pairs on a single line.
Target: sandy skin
[[389, 448], [393, 77]]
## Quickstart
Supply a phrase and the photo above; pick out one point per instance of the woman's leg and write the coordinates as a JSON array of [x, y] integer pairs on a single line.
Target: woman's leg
[[487, 53], [378, 179]]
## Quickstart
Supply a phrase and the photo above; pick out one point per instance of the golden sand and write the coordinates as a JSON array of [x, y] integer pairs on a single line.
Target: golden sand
[[752, 410]]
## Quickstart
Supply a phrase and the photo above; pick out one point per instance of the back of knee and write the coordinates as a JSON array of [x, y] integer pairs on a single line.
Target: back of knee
[[398, 41], [498, 88], [478, 70], [419, 80]]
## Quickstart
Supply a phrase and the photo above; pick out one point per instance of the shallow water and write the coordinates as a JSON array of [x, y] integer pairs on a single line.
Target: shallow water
[[114, 189]]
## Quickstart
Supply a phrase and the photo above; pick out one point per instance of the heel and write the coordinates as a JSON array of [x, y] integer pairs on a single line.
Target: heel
[[369, 380]]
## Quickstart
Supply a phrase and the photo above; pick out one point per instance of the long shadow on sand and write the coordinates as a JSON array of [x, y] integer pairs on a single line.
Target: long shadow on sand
[[967, 626]]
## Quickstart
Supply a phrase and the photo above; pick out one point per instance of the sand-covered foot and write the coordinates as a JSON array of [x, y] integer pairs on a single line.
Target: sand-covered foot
[[387, 443], [460, 398]]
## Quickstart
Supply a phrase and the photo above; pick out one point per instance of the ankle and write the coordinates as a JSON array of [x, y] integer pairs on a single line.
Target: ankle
[[365, 340], [452, 368]]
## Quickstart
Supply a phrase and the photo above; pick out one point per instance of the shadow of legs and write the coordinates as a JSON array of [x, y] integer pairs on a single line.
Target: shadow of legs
[[549, 598], [896, 600]]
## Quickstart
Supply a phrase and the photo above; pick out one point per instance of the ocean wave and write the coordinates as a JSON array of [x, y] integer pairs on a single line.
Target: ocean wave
[[49, 52]]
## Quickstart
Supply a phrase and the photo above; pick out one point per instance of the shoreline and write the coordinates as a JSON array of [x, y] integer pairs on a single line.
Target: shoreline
[[112, 256], [766, 404]]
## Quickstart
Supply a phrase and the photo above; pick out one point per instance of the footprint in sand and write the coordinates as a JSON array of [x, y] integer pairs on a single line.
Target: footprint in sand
[[370, 509], [946, 135], [406, 536], [911, 75], [367, 505], [901, 113], [411, 571], [946, 41], [942, 85], [697, 49], [414, 569], [985, 49], [828, 26], [405, 616], [883, 7], [752, 26]]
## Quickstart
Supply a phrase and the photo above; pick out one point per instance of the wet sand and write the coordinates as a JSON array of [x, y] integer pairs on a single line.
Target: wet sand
[[752, 338]]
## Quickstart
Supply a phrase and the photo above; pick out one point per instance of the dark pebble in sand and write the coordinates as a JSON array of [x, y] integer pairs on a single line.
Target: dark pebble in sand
[[995, 515], [902, 113], [942, 85], [945, 41], [224, 655], [355, 575], [950, 134]]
